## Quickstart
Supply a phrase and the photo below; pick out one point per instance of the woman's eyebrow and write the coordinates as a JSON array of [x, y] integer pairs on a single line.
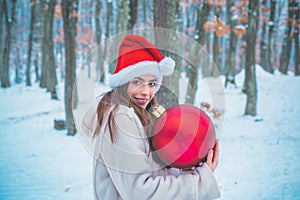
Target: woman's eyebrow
[[141, 79]]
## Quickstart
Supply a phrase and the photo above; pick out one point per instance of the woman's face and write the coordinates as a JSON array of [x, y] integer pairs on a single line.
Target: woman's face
[[141, 90]]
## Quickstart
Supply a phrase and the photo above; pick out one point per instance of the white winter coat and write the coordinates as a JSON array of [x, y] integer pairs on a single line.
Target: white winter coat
[[125, 170]]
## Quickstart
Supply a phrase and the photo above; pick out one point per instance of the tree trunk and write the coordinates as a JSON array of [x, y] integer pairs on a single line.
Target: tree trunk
[[165, 13], [192, 71], [206, 69], [36, 67], [100, 58], [32, 16], [263, 45], [1, 41], [230, 60], [287, 42], [107, 31], [296, 40], [52, 79], [44, 74], [69, 12], [214, 70], [145, 12], [123, 17], [17, 60], [271, 38], [250, 77], [133, 4], [48, 77], [5, 82]]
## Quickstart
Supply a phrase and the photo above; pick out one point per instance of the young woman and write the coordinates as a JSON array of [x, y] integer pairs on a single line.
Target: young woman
[[125, 166]]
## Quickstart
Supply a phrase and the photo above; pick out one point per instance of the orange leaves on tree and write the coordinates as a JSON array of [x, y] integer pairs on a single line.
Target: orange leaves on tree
[[87, 38], [264, 19], [265, 9], [241, 6], [208, 26], [89, 34], [57, 11], [59, 37], [205, 105], [222, 29], [239, 30], [245, 3], [293, 23], [215, 23], [213, 112], [78, 28], [218, 26], [216, 3], [243, 18], [216, 113], [74, 14]]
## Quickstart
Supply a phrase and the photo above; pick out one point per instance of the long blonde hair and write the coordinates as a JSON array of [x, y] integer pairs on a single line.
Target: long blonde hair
[[108, 106]]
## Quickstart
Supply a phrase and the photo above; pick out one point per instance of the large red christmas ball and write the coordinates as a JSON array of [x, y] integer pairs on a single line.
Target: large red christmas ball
[[183, 135]]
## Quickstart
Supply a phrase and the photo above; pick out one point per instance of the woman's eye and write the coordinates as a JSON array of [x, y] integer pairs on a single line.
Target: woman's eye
[[137, 82], [152, 84]]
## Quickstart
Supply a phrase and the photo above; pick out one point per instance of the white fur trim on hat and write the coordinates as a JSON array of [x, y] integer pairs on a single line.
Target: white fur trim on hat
[[163, 68], [166, 66]]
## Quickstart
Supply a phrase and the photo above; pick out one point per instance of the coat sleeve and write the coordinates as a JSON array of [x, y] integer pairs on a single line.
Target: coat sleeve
[[135, 174]]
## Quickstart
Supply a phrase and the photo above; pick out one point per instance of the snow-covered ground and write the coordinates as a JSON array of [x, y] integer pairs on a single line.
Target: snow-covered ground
[[259, 156]]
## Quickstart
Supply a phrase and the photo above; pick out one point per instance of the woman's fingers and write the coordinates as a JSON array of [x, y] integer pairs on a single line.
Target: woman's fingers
[[209, 160], [216, 154], [213, 157]]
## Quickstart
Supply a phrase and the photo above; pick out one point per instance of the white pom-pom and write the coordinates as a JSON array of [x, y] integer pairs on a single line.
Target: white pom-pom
[[166, 66]]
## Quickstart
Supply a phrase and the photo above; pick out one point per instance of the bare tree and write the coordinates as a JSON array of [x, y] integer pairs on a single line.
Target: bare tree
[[100, 58], [48, 73], [123, 15], [70, 12], [230, 60], [287, 40], [165, 13], [271, 38], [1, 44], [132, 13], [29, 52], [250, 77], [263, 44], [192, 71], [109, 13], [216, 46], [9, 20], [296, 38]]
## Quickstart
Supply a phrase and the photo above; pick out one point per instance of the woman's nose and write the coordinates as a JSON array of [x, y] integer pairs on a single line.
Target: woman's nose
[[145, 89]]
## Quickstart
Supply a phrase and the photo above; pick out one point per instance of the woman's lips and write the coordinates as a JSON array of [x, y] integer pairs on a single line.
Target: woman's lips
[[141, 101]]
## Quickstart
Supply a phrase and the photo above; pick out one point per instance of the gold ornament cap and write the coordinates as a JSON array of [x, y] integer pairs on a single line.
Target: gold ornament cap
[[158, 110]]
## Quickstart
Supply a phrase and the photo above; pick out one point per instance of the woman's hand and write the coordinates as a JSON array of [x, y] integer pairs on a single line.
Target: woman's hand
[[213, 157]]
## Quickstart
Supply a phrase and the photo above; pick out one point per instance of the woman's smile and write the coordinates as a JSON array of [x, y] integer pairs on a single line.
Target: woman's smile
[[141, 90], [142, 101]]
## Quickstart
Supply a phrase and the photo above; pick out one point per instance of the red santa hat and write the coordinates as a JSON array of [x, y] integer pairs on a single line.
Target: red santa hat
[[137, 57]]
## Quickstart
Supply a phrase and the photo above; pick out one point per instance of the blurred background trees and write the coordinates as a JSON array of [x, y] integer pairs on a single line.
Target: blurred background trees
[[45, 40]]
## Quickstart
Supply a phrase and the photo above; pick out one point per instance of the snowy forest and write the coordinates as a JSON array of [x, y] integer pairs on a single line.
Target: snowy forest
[[251, 47], [45, 41]]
